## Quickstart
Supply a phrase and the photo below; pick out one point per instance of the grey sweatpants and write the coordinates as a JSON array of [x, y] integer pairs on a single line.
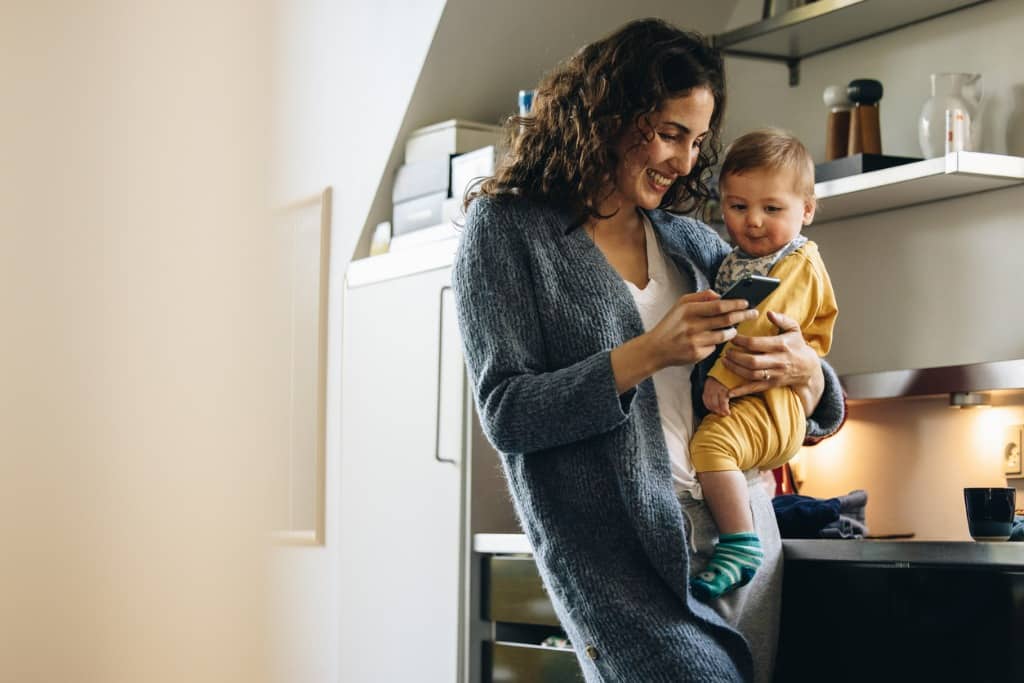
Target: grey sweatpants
[[753, 609]]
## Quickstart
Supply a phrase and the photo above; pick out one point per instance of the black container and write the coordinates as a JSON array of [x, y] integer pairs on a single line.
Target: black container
[[989, 512], [856, 164]]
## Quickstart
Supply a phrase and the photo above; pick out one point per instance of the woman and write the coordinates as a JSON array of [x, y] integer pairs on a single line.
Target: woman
[[585, 311]]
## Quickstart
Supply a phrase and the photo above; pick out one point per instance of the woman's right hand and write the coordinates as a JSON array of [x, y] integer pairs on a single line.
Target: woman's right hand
[[688, 333], [695, 325]]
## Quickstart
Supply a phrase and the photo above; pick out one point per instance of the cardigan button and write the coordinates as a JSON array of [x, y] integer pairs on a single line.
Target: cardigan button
[[592, 652]]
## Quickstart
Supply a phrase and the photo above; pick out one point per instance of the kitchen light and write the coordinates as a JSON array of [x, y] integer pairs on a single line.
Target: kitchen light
[[968, 399]]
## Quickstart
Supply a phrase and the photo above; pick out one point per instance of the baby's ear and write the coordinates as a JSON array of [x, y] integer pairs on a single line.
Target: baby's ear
[[810, 205]]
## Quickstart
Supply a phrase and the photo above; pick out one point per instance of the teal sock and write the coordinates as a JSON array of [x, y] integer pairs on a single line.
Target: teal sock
[[733, 564]]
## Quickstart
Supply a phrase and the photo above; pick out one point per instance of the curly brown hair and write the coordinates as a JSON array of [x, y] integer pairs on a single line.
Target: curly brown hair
[[565, 151]]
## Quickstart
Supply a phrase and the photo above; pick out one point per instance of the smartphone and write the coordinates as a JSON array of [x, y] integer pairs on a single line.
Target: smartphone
[[753, 288]]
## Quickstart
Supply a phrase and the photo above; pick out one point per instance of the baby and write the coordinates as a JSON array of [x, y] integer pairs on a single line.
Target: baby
[[767, 188]]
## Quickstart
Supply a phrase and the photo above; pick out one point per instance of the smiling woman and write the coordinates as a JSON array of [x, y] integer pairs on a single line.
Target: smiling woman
[[585, 310]]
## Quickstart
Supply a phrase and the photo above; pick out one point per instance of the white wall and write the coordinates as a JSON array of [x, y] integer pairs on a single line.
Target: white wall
[[344, 73], [924, 286]]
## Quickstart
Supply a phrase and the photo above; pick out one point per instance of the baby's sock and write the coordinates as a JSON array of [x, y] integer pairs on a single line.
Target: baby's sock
[[733, 564]]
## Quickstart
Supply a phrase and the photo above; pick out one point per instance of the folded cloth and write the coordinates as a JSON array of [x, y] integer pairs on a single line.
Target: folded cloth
[[853, 504], [805, 517], [1017, 530], [802, 516], [844, 527]]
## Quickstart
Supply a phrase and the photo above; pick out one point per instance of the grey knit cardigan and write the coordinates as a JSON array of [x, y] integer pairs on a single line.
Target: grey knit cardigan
[[540, 309]]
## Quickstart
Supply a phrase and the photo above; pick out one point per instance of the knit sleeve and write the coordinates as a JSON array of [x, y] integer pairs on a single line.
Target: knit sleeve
[[524, 406], [830, 414]]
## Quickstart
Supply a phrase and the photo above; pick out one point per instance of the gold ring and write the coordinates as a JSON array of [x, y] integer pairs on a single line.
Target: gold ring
[[766, 375]]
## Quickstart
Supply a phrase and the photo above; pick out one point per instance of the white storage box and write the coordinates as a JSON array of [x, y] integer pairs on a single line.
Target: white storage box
[[449, 137], [470, 167]]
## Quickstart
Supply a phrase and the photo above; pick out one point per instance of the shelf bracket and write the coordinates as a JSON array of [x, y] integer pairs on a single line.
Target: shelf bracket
[[794, 72]]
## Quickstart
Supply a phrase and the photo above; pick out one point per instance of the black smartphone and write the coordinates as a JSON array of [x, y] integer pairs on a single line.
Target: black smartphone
[[753, 288]]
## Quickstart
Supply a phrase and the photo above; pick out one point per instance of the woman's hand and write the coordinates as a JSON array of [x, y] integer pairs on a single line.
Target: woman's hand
[[695, 325], [784, 360], [688, 333]]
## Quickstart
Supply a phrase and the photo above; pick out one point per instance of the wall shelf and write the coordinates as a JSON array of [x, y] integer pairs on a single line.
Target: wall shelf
[[993, 376], [826, 25], [953, 175], [430, 256]]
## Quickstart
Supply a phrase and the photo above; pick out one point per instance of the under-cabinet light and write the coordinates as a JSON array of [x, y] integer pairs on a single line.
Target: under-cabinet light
[[969, 399]]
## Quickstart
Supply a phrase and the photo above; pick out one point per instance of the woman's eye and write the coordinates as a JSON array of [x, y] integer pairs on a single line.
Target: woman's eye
[[668, 138], [697, 143]]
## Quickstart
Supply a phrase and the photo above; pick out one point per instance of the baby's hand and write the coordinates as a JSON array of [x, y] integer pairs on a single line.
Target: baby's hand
[[716, 396]]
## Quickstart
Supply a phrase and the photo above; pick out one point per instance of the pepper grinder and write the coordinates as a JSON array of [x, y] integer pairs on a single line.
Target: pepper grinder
[[865, 131], [837, 132]]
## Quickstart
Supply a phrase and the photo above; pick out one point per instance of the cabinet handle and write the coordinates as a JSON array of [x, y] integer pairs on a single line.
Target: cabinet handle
[[440, 378]]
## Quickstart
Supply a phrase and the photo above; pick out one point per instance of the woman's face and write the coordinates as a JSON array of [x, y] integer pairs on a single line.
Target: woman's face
[[648, 168]]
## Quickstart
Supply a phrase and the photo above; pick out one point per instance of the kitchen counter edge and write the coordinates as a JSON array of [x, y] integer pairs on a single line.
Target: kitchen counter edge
[[902, 552]]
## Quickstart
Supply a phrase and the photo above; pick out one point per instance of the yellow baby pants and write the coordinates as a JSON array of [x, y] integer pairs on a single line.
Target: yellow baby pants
[[763, 431]]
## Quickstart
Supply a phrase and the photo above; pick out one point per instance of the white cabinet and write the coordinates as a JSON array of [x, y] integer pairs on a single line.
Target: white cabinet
[[400, 518]]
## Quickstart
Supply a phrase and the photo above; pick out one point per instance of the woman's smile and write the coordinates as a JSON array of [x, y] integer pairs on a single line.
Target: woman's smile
[[659, 182]]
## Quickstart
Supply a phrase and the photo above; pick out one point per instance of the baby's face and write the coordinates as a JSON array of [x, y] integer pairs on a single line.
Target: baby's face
[[763, 211]]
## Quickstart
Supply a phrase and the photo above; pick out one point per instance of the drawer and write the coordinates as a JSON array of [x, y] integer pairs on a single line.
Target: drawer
[[516, 593], [514, 663]]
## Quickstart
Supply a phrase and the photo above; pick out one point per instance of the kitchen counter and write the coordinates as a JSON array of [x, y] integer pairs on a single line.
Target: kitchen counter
[[899, 553], [854, 610]]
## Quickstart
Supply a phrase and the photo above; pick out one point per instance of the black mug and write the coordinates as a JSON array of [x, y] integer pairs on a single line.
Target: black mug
[[989, 512]]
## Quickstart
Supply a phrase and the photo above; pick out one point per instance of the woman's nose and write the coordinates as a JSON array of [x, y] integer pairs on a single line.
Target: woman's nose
[[683, 164]]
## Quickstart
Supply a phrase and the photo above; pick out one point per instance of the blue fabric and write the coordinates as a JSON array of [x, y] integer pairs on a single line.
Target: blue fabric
[[540, 310], [803, 516], [1017, 530], [807, 517]]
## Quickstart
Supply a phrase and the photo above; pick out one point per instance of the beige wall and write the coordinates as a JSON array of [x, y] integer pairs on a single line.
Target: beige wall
[[136, 285], [924, 286]]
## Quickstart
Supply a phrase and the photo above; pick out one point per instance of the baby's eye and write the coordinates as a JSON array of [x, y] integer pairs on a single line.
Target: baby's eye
[[773, 209], [738, 207]]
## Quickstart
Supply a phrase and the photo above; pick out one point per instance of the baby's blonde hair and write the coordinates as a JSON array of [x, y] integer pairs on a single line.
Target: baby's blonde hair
[[773, 149]]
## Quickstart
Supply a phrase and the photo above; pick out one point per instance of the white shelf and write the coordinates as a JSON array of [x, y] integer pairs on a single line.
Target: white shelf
[[954, 175], [430, 256]]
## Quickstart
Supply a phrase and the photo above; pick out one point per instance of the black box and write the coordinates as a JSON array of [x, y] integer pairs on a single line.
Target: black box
[[856, 164]]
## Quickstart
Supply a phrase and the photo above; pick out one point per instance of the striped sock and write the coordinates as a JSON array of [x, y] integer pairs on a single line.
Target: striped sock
[[733, 564]]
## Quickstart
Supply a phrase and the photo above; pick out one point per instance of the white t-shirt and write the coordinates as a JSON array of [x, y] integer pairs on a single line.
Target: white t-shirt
[[671, 384]]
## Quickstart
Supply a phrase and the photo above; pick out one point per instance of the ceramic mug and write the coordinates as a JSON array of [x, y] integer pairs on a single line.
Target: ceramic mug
[[989, 512]]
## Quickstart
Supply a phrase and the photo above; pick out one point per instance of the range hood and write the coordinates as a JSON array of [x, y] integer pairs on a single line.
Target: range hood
[[951, 379]]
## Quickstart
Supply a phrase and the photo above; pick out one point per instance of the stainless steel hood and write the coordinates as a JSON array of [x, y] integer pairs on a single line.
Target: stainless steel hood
[[976, 377]]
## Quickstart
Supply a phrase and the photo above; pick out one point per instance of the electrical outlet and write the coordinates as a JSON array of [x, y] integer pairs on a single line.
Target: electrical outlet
[[1013, 459]]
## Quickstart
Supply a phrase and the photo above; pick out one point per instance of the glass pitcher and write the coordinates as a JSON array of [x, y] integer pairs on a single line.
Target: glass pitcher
[[960, 96]]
